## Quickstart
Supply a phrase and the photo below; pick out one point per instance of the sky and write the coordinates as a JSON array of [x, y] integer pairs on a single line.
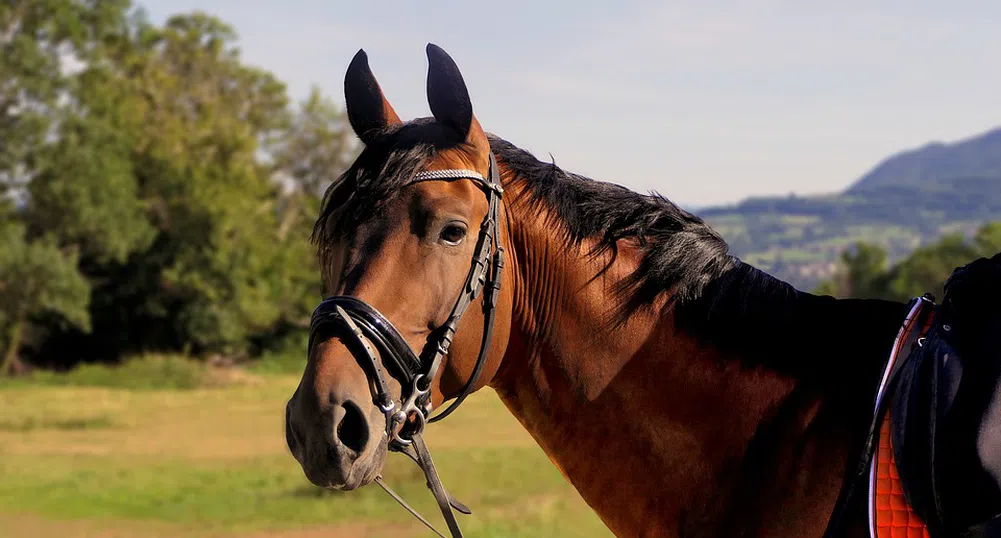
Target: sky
[[706, 102]]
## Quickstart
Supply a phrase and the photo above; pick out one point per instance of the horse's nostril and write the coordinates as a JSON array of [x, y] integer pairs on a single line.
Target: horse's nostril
[[352, 431]]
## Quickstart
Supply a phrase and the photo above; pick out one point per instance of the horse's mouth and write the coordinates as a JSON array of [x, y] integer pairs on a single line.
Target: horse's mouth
[[333, 479], [359, 473], [354, 480]]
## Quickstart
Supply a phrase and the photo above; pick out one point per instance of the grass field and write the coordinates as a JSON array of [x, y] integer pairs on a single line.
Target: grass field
[[212, 462]]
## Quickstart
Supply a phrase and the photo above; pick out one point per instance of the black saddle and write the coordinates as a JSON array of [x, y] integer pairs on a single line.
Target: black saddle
[[944, 400], [945, 409]]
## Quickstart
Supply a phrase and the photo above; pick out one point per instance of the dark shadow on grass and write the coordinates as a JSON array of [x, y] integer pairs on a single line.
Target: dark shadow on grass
[[310, 491], [407, 477]]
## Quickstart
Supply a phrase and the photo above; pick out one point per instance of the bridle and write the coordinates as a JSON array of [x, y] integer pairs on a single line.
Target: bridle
[[364, 327]]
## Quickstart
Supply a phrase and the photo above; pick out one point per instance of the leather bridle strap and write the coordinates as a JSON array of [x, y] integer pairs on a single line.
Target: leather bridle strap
[[435, 484], [403, 503], [489, 237], [366, 328], [422, 456], [489, 308]]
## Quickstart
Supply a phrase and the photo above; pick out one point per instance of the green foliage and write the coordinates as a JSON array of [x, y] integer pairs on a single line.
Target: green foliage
[[864, 268], [864, 272], [179, 178], [36, 36], [286, 356], [150, 372], [317, 147], [30, 34], [86, 192], [927, 268], [36, 278], [988, 239]]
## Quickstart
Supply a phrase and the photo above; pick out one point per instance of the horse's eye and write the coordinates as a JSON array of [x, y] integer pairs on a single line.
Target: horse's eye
[[453, 234]]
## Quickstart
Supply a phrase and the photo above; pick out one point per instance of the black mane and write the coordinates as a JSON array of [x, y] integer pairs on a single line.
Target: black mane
[[681, 253]]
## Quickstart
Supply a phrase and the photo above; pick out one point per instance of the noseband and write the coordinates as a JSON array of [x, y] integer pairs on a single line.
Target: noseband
[[369, 336]]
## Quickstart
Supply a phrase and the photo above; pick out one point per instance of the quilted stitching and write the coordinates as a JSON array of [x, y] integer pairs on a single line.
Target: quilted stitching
[[894, 517]]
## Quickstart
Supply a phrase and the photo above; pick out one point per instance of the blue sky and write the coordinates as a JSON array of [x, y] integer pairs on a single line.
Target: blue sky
[[705, 102]]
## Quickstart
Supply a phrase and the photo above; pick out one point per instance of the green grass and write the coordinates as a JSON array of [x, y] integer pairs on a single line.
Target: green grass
[[27, 424], [99, 461], [257, 493], [150, 372]]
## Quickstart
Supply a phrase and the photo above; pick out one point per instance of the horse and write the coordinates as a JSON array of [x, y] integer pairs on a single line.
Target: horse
[[681, 391]]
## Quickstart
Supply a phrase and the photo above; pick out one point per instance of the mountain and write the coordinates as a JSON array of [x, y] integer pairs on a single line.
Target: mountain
[[905, 201], [979, 156]]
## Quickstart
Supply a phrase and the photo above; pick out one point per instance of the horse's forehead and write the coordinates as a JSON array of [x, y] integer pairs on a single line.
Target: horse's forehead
[[453, 159], [456, 195]]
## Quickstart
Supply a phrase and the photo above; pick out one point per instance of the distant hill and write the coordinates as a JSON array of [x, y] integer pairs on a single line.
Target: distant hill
[[907, 200], [978, 157]]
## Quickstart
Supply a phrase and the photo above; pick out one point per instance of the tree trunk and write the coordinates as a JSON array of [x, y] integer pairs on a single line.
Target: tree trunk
[[11, 364], [290, 216]]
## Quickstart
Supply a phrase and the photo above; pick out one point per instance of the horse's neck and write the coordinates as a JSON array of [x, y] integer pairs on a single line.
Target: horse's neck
[[661, 429]]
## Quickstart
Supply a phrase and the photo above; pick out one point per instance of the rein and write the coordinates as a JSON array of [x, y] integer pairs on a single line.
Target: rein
[[367, 327]]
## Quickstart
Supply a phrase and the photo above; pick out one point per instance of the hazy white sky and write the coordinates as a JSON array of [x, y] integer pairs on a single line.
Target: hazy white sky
[[704, 101]]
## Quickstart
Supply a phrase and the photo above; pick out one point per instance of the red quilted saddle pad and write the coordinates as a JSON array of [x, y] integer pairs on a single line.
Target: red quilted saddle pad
[[894, 518]]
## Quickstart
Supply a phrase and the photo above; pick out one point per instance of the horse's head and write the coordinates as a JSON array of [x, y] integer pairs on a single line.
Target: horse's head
[[408, 238]]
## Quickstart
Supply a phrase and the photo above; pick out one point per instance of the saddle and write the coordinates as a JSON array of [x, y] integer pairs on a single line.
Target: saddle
[[932, 461], [933, 424]]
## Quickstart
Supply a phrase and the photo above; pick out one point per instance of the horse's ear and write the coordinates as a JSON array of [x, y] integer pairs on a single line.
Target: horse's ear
[[368, 109], [447, 94]]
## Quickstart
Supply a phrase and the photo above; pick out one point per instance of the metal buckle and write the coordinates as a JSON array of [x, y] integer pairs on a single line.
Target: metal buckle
[[387, 409], [410, 407]]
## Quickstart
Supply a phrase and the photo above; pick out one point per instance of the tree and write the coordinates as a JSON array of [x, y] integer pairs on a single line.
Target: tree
[[927, 268], [865, 268], [36, 38], [36, 278], [864, 272], [155, 178], [171, 176], [316, 148], [988, 239], [861, 274]]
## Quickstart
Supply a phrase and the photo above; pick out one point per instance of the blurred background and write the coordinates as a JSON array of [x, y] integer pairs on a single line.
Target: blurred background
[[161, 164]]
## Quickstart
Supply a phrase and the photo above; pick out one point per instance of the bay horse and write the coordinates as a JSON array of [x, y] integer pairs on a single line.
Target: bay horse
[[681, 391]]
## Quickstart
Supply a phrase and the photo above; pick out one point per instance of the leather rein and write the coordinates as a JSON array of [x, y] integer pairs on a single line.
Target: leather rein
[[370, 336]]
